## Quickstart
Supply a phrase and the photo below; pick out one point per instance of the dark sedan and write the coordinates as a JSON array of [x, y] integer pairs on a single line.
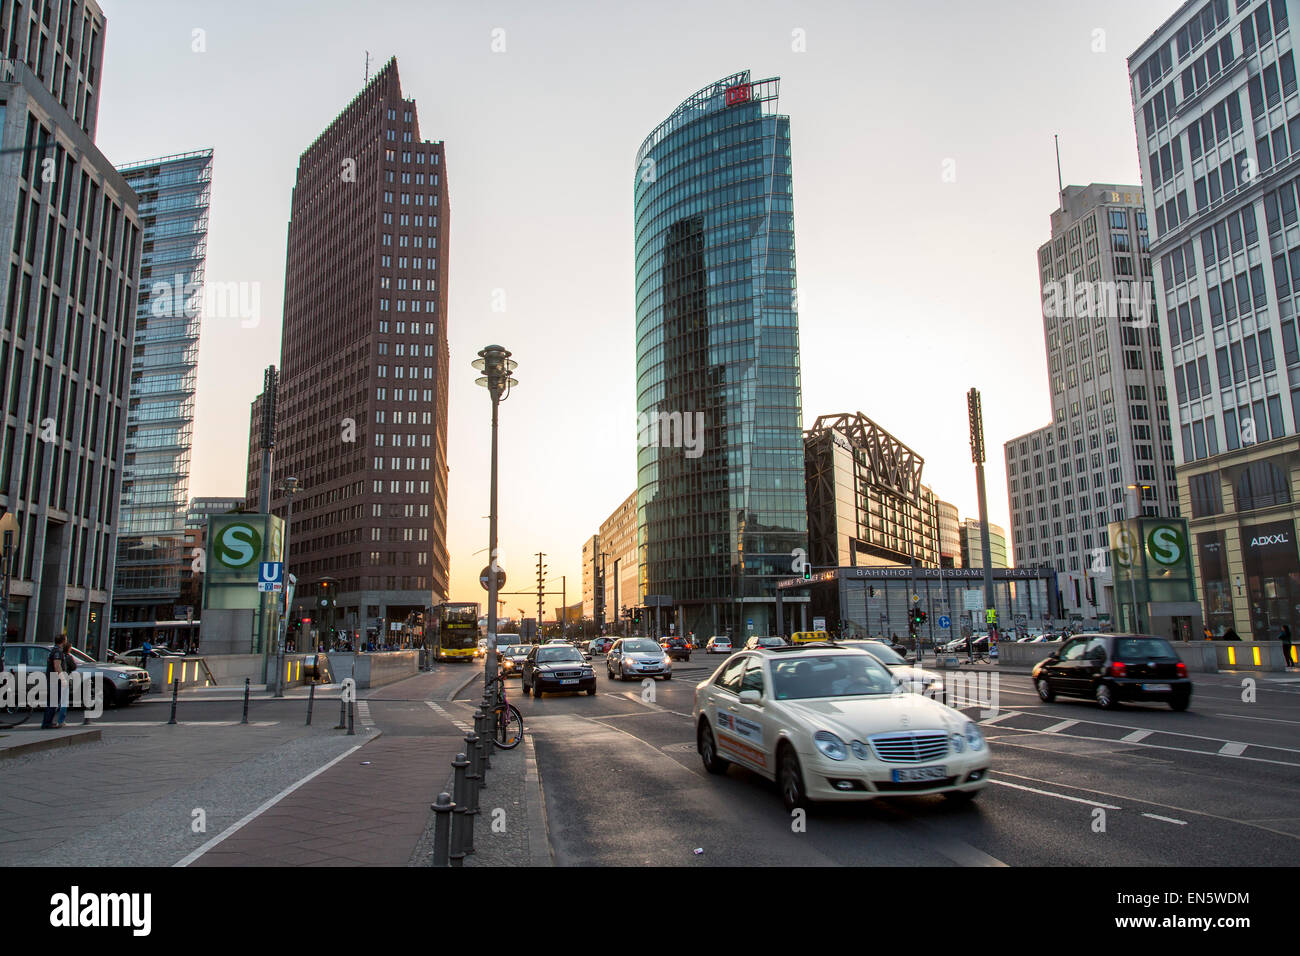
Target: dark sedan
[[512, 657], [557, 668], [677, 648], [1111, 668]]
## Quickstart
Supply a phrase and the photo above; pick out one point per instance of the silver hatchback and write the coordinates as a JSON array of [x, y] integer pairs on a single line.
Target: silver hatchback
[[633, 657]]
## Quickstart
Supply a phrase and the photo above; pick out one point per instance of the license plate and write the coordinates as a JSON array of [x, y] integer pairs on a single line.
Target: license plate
[[571, 680], [919, 773], [1164, 687]]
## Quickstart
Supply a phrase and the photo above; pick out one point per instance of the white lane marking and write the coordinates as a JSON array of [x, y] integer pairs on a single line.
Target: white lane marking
[[363, 711], [1163, 806], [636, 698], [1049, 793], [1057, 728], [459, 724], [1271, 720], [1009, 741], [987, 721], [1232, 749], [1156, 816], [1136, 737], [250, 817]]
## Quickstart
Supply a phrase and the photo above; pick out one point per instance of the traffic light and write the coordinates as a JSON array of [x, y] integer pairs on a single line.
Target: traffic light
[[918, 616], [807, 571]]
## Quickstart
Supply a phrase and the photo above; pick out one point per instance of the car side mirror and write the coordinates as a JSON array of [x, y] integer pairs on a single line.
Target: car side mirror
[[750, 697]]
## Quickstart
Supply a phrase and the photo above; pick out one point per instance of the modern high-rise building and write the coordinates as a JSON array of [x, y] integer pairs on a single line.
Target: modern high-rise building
[[362, 409], [972, 544], [1067, 481], [1215, 99], [866, 504], [69, 288], [720, 489], [174, 193]]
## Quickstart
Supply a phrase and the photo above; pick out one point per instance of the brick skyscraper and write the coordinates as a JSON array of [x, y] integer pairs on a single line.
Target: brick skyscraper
[[363, 366]]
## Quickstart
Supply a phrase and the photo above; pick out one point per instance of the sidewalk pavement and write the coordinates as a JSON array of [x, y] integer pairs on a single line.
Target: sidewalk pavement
[[148, 795]]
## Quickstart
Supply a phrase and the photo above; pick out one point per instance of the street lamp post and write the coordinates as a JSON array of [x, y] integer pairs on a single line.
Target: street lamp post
[[496, 365], [1138, 490], [291, 487]]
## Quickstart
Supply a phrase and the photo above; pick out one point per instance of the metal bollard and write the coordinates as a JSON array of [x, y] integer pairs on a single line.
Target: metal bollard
[[311, 701], [85, 710], [352, 730], [246, 690], [176, 689], [473, 781], [443, 807], [343, 714], [479, 754], [456, 855]]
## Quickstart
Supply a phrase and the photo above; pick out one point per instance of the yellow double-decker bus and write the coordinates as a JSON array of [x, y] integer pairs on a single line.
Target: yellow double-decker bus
[[454, 631], [809, 637]]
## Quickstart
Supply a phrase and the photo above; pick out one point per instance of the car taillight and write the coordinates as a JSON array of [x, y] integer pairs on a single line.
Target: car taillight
[[1117, 669], [1181, 668]]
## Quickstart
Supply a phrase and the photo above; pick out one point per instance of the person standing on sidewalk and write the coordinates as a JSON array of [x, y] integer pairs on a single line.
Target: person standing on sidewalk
[[1285, 637], [56, 708]]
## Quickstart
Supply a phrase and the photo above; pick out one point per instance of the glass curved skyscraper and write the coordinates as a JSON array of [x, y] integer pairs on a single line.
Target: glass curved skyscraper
[[720, 472]]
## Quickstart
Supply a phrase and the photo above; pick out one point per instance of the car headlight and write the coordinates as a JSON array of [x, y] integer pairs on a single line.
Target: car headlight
[[830, 745], [958, 743], [860, 750], [974, 737]]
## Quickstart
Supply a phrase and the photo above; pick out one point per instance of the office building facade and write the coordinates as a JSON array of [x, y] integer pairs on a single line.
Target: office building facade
[[972, 545], [71, 237], [174, 194], [362, 405], [720, 491], [949, 535], [618, 538], [867, 506], [591, 579], [1110, 429], [1215, 100]]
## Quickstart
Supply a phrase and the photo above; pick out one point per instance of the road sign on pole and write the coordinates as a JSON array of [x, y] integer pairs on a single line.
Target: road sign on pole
[[945, 622], [270, 576], [484, 580]]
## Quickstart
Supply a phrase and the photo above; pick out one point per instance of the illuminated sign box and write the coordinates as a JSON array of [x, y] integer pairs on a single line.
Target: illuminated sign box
[[741, 93]]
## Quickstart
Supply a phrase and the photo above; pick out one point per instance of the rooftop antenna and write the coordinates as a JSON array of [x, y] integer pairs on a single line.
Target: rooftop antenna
[[1059, 182], [368, 67]]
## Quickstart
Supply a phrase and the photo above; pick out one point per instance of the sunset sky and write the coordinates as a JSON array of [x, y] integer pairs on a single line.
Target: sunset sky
[[912, 289]]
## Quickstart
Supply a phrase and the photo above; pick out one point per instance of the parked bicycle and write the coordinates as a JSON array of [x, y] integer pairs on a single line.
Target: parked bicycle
[[507, 722]]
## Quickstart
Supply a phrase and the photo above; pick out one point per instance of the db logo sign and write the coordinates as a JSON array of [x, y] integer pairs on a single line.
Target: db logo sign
[[1166, 545], [237, 546], [739, 94]]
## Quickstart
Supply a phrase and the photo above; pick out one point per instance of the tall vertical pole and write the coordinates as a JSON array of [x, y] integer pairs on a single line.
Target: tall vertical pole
[[541, 583], [976, 414], [490, 658], [617, 613], [270, 388], [564, 606], [4, 609]]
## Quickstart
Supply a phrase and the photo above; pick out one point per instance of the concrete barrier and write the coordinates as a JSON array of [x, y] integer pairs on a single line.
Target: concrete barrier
[[377, 669], [224, 670], [1202, 657]]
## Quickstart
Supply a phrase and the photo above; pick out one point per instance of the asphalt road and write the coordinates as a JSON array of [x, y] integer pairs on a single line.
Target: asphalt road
[[1216, 785]]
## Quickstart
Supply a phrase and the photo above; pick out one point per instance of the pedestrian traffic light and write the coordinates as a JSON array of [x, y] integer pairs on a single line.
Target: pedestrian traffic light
[[807, 571]]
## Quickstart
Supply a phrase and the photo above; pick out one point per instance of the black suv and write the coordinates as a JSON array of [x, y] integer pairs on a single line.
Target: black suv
[[1111, 668]]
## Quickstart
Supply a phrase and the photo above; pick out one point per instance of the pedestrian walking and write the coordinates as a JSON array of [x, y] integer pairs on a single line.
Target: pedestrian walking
[[1285, 637], [56, 705]]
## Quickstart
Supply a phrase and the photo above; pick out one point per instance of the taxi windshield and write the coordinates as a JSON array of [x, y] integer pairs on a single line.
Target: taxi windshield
[[847, 675]]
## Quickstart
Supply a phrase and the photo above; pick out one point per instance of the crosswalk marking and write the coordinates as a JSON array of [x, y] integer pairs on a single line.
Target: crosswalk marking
[[1136, 736], [442, 711], [1232, 749], [1057, 728], [363, 712]]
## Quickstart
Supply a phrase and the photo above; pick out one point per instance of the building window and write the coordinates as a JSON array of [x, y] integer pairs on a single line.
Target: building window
[[1261, 485]]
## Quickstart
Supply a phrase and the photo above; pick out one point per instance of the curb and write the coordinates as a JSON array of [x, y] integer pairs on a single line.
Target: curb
[[539, 846], [469, 680], [67, 739]]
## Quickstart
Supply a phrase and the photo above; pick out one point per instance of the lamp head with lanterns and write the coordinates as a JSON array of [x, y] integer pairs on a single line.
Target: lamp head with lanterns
[[496, 365]]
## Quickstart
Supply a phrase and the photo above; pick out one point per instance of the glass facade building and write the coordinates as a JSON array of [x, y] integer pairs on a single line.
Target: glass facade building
[[720, 486], [174, 193]]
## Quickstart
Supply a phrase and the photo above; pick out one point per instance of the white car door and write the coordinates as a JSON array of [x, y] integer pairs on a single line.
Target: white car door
[[739, 733], [754, 723]]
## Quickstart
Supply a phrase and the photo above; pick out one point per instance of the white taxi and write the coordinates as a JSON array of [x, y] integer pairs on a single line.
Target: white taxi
[[832, 723]]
